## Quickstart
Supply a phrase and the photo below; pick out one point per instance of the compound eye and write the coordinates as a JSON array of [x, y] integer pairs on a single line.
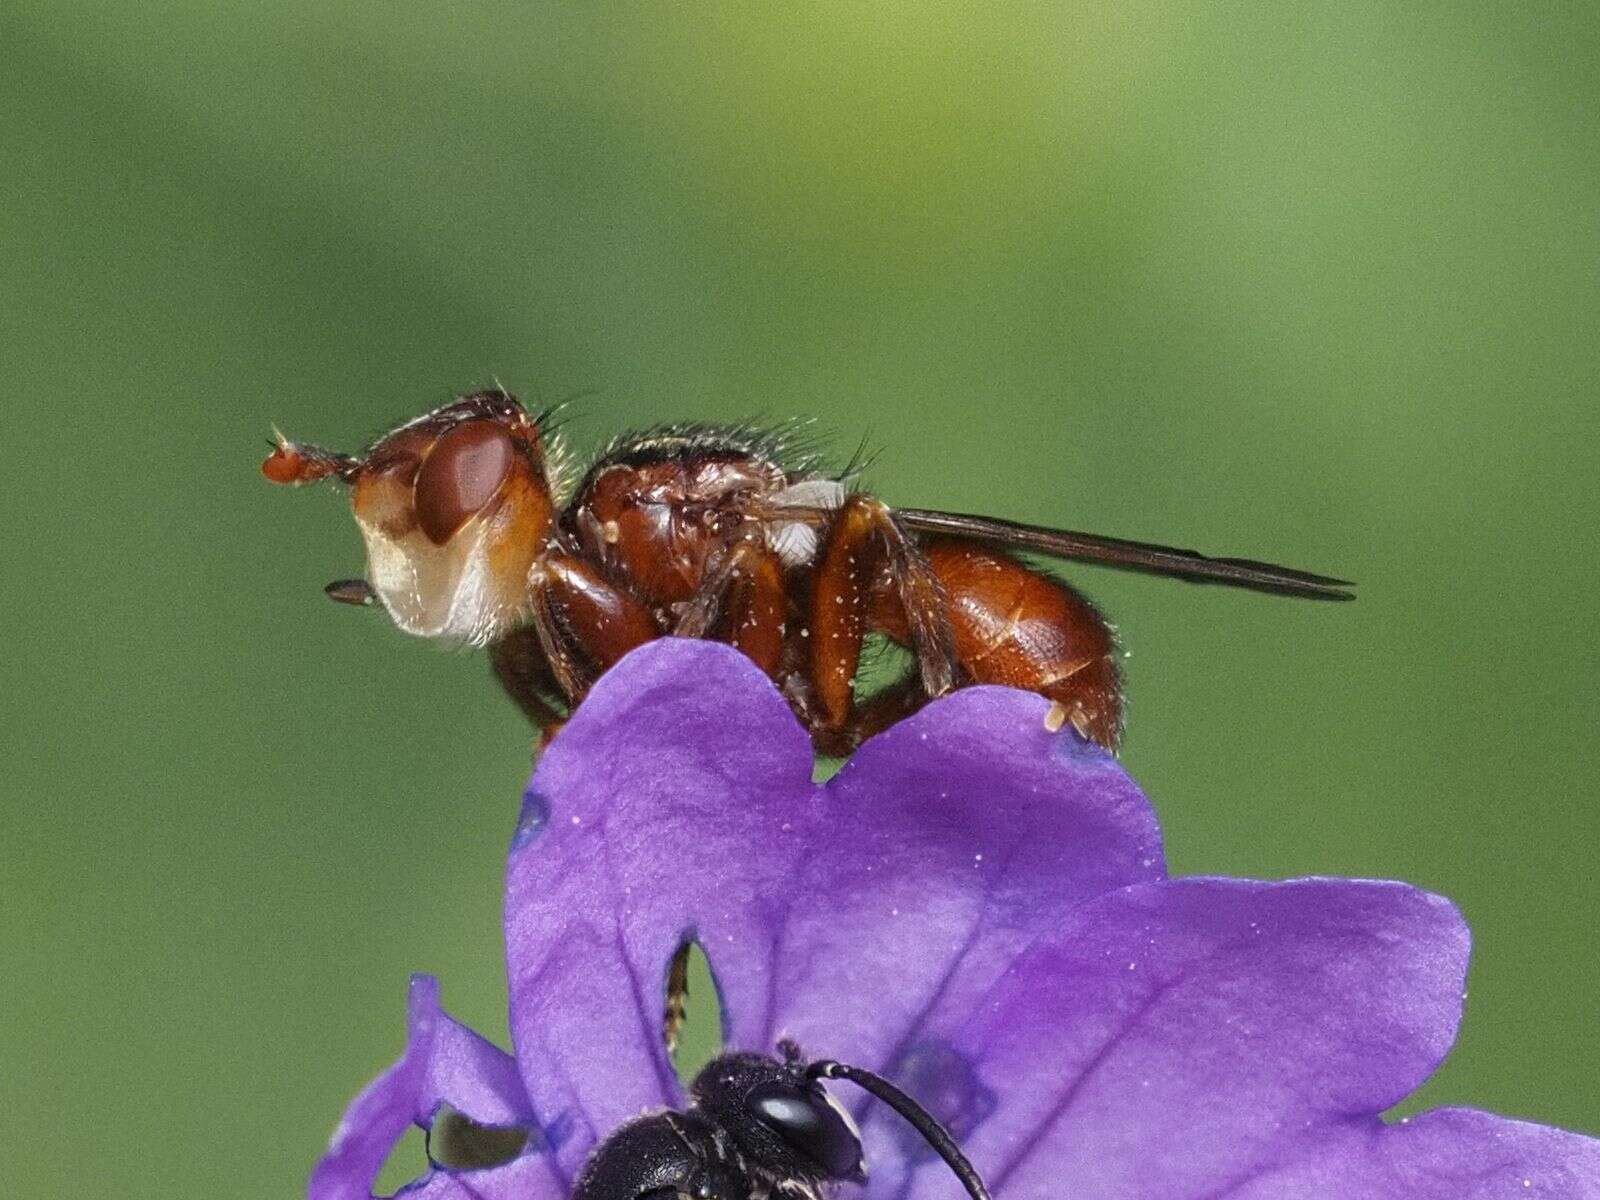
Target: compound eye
[[461, 475], [811, 1125]]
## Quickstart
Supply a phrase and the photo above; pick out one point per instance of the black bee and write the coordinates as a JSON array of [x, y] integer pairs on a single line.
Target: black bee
[[756, 1128]]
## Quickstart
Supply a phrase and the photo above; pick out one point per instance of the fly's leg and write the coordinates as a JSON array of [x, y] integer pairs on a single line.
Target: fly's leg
[[862, 544], [741, 600], [583, 623], [523, 671], [872, 716]]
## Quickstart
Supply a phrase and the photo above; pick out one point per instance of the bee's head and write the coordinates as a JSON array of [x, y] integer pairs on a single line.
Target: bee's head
[[780, 1117], [757, 1127]]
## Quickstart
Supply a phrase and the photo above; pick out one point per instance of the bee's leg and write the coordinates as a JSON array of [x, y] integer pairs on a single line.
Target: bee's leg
[[584, 624], [862, 543], [742, 601], [676, 1011], [518, 662]]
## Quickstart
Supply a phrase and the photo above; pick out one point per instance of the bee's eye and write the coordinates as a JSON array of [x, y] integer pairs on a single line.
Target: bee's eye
[[810, 1125], [461, 474]]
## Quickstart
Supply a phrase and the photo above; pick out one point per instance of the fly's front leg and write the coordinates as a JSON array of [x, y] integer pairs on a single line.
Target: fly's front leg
[[520, 666], [741, 600], [862, 540], [584, 623]]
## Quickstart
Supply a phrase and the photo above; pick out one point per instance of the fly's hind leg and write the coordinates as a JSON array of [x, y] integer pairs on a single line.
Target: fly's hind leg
[[872, 716], [862, 546]]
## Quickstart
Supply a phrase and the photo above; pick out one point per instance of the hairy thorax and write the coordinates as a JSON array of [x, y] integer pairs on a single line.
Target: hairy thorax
[[653, 510]]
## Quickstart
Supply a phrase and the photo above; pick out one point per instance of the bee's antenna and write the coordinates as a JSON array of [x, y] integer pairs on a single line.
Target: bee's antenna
[[918, 1117]]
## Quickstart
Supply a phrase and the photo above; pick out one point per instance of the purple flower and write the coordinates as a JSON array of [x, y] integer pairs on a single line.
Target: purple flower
[[976, 908]]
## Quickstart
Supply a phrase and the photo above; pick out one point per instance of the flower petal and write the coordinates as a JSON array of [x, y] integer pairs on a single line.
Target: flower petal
[[1174, 1040], [525, 1178], [1448, 1154], [949, 843], [682, 764], [444, 1063], [678, 804]]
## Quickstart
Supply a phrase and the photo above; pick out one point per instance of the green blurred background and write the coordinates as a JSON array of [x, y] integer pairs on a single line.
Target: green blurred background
[[1307, 282]]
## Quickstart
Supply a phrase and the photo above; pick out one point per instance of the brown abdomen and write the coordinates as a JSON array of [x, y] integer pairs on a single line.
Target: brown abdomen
[[1016, 626]]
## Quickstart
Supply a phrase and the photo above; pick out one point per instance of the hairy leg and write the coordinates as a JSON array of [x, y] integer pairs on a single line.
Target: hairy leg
[[741, 600], [862, 545]]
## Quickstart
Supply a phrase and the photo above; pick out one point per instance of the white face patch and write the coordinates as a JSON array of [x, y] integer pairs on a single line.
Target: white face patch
[[443, 591], [795, 542]]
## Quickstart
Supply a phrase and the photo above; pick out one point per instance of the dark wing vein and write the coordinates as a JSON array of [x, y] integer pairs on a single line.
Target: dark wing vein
[[1130, 556]]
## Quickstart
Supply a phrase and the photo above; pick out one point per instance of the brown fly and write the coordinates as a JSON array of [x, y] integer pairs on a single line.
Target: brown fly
[[473, 535]]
